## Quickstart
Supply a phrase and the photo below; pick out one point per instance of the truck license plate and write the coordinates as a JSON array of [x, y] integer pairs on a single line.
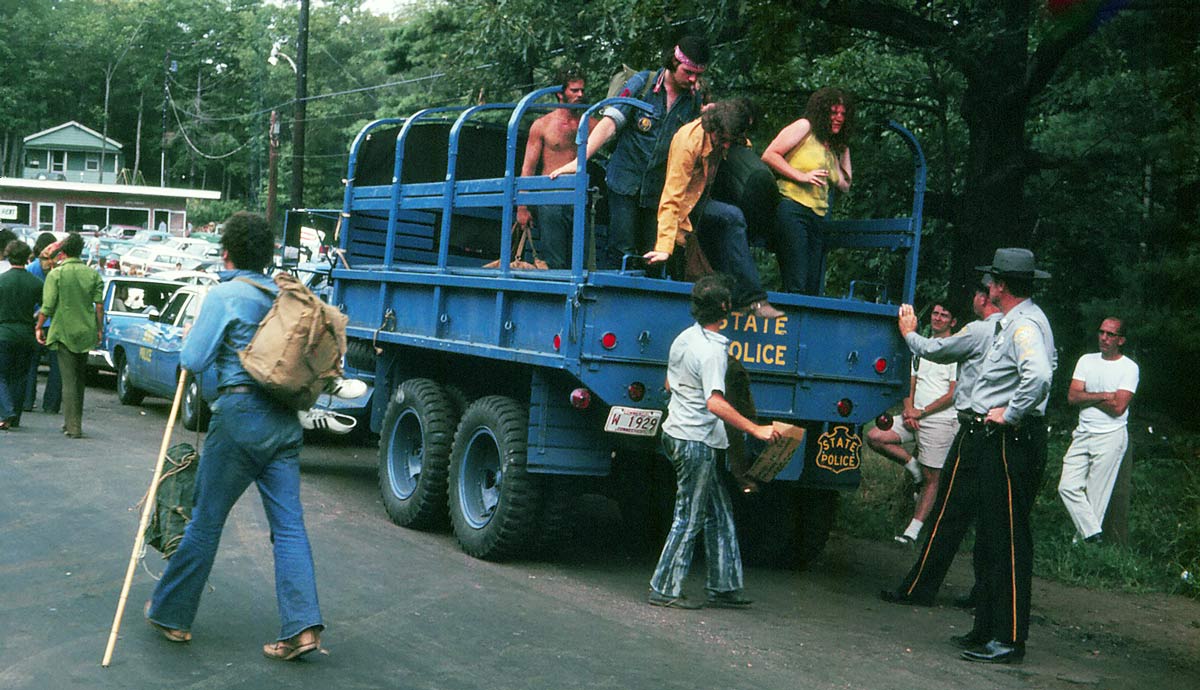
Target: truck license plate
[[633, 421]]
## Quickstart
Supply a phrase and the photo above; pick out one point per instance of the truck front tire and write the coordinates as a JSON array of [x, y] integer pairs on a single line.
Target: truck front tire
[[493, 499], [414, 454]]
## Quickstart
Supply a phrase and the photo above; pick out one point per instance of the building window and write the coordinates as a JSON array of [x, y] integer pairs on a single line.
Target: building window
[[58, 161], [92, 163], [33, 160]]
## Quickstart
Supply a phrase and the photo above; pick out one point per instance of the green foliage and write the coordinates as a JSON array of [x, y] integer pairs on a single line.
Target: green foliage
[[201, 212]]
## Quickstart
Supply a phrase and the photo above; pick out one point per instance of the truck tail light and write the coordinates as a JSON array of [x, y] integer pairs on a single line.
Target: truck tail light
[[881, 365], [884, 422], [845, 406], [557, 341], [636, 391], [609, 340], [581, 398]]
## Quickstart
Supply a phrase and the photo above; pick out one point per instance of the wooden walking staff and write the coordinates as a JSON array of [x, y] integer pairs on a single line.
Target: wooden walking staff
[[146, 512]]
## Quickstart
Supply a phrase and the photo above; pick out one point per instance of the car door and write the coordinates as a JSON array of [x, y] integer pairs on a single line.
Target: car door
[[165, 340]]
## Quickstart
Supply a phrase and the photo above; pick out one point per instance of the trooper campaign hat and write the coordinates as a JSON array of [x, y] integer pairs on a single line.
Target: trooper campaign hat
[[1013, 261]]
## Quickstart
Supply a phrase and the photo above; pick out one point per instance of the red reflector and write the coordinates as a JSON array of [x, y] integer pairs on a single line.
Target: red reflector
[[884, 422], [609, 340], [637, 391], [880, 365], [581, 398], [845, 407], [557, 341]]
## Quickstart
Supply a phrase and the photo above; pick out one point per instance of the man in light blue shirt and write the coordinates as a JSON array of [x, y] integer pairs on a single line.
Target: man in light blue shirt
[[251, 439], [1007, 405]]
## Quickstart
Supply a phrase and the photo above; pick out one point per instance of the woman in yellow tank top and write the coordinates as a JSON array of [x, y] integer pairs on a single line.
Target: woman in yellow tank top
[[807, 156]]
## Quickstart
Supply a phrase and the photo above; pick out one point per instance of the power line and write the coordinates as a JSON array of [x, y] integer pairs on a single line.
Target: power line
[[193, 147]]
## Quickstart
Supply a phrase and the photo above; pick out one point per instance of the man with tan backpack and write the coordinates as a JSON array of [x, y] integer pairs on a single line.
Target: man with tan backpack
[[256, 334]]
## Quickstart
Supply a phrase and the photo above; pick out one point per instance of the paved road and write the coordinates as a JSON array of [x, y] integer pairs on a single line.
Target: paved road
[[407, 609]]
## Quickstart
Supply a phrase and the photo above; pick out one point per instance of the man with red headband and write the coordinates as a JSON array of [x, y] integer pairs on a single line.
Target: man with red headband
[[638, 165]]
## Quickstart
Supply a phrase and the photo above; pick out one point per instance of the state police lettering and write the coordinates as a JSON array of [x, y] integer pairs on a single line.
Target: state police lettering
[[755, 340]]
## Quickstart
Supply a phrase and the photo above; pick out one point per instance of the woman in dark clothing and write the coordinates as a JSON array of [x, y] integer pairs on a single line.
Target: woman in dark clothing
[[20, 293]]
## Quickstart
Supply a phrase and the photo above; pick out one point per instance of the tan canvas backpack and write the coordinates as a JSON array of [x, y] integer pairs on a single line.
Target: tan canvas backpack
[[299, 345]]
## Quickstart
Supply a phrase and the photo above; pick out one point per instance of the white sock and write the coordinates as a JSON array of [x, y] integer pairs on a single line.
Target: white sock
[[914, 529], [913, 469]]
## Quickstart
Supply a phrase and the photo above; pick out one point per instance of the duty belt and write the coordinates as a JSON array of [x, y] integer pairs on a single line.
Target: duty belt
[[970, 418]]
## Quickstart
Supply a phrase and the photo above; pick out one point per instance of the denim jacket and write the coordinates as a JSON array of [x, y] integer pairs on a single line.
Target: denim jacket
[[638, 165], [226, 324]]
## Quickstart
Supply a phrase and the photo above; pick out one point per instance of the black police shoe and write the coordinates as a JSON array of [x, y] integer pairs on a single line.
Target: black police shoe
[[996, 652]]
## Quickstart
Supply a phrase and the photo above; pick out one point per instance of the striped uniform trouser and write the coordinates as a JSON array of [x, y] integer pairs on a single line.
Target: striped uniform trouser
[[701, 503], [1011, 463], [953, 513]]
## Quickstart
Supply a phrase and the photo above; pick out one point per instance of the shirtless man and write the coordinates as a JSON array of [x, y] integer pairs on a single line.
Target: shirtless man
[[551, 145]]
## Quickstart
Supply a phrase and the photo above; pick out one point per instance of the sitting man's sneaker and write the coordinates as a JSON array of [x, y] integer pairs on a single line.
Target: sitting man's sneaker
[[348, 388], [326, 420], [1097, 538], [996, 652], [679, 602], [728, 600]]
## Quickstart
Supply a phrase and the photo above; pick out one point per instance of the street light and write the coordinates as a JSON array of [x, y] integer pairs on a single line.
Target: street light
[[273, 59]]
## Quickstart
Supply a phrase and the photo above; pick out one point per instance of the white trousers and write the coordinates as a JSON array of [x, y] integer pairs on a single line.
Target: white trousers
[[1088, 475]]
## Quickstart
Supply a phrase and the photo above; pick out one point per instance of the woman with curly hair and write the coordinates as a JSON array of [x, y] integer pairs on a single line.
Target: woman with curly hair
[[807, 156]]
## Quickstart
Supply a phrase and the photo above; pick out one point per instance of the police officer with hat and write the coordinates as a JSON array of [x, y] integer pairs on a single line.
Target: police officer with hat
[[1007, 406]]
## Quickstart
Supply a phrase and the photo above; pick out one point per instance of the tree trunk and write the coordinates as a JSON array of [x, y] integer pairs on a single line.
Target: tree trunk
[[991, 210]]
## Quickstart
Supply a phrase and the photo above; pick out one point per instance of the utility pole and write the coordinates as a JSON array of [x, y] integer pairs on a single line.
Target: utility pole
[[298, 118], [162, 159], [272, 165]]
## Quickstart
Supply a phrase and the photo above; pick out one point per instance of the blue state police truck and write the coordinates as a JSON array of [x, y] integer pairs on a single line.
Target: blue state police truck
[[502, 394]]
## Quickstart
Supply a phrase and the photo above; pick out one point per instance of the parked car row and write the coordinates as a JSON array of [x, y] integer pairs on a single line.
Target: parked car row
[[146, 320]]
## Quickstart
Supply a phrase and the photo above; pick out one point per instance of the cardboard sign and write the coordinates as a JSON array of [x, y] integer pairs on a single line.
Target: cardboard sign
[[777, 455]]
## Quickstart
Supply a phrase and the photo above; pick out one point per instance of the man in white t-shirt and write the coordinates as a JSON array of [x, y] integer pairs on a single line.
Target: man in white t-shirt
[[928, 420], [1102, 386], [695, 440]]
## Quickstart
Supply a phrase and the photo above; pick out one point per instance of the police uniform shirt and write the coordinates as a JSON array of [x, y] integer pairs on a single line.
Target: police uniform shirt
[[967, 348], [1017, 368]]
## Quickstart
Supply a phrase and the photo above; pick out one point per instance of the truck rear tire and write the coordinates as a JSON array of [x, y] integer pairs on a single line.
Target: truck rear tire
[[493, 499], [414, 454]]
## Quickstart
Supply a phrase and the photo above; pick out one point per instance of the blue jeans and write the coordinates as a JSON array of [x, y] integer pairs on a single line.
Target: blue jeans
[[14, 367], [555, 225], [250, 439], [631, 229], [801, 247], [701, 503], [52, 396], [722, 233]]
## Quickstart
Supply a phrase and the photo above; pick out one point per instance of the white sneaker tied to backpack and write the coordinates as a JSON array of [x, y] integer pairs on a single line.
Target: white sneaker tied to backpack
[[326, 420]]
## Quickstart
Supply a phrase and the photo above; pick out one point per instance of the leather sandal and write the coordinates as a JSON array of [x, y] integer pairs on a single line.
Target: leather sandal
[[309, 640], [171, 634]]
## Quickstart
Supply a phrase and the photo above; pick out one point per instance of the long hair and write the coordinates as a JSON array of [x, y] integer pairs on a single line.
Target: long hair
[[817, 112], [729, 120]]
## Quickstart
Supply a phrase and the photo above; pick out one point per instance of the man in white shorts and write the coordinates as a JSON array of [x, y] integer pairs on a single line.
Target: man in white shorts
[[1102, 386], [928, 420]]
